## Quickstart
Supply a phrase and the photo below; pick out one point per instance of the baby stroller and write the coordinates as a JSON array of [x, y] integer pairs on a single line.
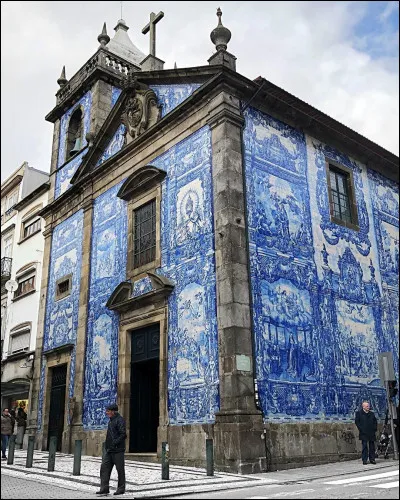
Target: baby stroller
[[385, 445]]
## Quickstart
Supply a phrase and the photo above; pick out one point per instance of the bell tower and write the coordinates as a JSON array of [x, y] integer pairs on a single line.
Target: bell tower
[[84, 101]]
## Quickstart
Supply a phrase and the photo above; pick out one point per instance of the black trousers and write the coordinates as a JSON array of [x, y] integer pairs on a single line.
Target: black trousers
[[109, 460], [368, 450]]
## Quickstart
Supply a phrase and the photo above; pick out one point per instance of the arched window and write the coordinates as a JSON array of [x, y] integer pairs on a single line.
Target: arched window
[[75, 133]]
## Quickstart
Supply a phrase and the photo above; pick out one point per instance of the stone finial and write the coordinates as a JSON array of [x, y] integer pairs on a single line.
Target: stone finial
[[62, 80], [175, 66], [103, 38], [220, 36]]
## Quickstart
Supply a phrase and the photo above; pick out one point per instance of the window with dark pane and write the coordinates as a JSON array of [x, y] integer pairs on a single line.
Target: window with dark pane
[[31, 228], [25, 286], [340, 194], [63, 287], [144, 234]]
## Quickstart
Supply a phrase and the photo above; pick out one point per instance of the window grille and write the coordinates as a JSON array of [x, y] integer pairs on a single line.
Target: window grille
[[145, 234]]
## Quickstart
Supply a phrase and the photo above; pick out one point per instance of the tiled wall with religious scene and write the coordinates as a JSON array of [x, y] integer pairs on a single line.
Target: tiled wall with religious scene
[[107, 270], [170, 96], [188, 259], [320, 312], [61, 319]]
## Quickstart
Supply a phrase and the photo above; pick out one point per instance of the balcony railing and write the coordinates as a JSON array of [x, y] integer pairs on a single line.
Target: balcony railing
[[5, 268]]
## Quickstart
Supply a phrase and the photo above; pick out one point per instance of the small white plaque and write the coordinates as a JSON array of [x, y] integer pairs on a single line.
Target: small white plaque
[[243, 363]]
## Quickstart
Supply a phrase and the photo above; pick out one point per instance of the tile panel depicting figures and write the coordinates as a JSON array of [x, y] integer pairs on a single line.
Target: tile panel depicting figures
[[321, 292]]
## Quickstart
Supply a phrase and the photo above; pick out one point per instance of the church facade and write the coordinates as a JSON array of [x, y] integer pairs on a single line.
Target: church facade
[[221, 259]]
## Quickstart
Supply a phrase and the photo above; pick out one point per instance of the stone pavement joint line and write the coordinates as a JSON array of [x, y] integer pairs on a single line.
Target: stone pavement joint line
[[143, 478]]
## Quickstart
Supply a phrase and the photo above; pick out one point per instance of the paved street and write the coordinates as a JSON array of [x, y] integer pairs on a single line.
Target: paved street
[[369, 484], [339, 480]]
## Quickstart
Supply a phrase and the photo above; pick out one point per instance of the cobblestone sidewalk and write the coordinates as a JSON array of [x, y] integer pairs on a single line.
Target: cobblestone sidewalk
[[142, 479]]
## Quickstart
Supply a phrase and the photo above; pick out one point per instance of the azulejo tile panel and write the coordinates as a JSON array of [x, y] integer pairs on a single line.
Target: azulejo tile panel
[[332, 232], [65, 174], [61, 318], [115, 93], [170, 96], [85, 103], [141, 287], [114, 145], [385, 196], [317, 305], [107, 270], [41, 393], [188, 260]]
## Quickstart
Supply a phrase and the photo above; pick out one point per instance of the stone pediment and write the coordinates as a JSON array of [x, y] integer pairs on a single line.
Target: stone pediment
[[133, 294], [140, 181]]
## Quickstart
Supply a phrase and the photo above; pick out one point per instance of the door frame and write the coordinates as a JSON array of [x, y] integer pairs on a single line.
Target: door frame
[[124, 370], [65, 398], [52, 360]]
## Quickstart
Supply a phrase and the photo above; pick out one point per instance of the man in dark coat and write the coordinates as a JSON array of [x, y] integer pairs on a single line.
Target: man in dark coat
[[367, 425], [114, 452]]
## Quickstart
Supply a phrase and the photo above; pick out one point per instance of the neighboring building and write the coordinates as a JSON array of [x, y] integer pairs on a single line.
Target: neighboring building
[[221, 258], [23, 195]]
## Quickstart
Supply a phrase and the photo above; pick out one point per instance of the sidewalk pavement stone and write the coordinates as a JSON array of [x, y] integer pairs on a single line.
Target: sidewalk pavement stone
[[143, 479]]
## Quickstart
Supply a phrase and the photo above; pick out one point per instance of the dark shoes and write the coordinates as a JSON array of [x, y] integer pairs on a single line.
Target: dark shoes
[[365, 463], [102, 492], [119, 492], [372, 462]]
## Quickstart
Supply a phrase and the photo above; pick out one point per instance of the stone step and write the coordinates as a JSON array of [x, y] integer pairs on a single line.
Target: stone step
[[143, 457]]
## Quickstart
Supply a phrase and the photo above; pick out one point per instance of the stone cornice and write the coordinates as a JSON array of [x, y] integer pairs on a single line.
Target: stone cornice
[[225, 115]]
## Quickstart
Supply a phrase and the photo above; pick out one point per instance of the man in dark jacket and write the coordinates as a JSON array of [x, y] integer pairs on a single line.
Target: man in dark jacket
[[367, 425], [114, 452]]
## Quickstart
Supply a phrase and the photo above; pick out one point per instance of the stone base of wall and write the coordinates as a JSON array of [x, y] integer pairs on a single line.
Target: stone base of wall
[[238, 445], [292, 445]]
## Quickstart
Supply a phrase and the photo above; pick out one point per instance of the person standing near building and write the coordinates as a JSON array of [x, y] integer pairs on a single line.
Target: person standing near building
[[367, 426], [21, 426], [7, 428], [114, 452]]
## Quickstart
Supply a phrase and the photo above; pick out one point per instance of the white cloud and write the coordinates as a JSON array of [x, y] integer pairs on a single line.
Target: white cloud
[[307, 48]]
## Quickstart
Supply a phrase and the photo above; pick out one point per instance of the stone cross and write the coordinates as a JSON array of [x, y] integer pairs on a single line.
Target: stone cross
[[152, 28]]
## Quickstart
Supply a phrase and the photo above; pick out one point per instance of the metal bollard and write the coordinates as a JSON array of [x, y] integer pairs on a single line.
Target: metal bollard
[[77, 457], [11, 449], [165, 461], [29, 454], [210, 457], [52, 453]]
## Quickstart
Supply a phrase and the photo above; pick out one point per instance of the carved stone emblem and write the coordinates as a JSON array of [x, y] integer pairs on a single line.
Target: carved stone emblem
[[141, 112]]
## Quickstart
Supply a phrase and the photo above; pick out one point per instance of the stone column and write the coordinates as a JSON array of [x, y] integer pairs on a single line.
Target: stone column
[[80, 361], [238, 426], [33, 408]]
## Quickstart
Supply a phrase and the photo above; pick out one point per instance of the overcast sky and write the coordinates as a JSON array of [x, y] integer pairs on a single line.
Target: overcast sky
[[340, 57]]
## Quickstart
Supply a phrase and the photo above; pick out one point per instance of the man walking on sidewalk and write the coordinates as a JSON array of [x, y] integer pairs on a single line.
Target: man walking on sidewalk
[[367, 425], [114, 452]]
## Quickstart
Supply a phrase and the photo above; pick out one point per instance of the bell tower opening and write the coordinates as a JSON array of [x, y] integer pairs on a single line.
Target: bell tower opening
[[75, 131]]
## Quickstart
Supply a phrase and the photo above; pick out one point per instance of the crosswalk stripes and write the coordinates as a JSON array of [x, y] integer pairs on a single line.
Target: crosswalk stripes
[[371, 478], [359, 479], [393, 484]]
